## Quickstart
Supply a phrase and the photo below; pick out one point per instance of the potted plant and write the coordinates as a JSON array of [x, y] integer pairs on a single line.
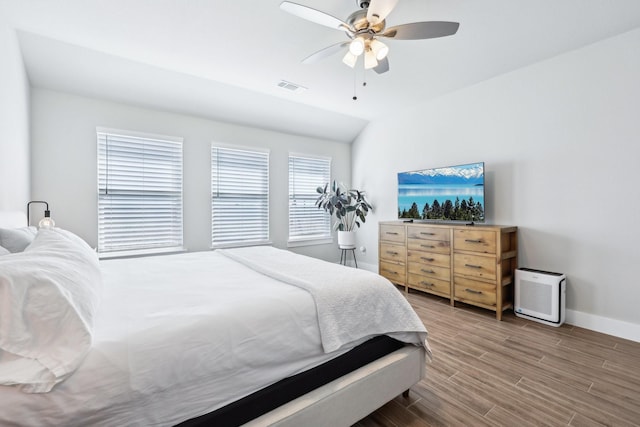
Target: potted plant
[[350, 208]]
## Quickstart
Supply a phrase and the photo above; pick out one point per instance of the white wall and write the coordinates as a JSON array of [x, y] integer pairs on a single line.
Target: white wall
[[560, 142], [14, 123], [64, 162]]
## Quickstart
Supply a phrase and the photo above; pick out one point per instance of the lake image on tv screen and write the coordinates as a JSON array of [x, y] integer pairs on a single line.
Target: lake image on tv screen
[[453, 193]]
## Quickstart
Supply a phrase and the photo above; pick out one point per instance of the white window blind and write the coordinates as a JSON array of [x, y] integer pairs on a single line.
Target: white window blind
[[239, 196], [306, 221], [139, 193]]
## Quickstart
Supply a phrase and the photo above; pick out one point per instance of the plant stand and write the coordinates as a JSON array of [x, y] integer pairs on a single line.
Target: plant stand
[[343, 254]]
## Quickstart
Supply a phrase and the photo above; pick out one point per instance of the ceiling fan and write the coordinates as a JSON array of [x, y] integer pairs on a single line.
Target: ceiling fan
[[364, 27]]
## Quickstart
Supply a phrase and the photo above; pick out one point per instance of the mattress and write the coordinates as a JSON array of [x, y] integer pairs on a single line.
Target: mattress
[[179, 336]]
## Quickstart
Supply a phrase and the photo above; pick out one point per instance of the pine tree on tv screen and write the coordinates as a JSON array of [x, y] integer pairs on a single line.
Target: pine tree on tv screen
[[454, 193]]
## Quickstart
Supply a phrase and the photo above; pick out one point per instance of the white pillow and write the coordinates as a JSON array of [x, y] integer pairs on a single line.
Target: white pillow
[[4, 251], [16, 239], [50, 294]]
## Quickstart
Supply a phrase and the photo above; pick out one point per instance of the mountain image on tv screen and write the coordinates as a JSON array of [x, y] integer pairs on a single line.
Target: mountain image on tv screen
[[453, 193]]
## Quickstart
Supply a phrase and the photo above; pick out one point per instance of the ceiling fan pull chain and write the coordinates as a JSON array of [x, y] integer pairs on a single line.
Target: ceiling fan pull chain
[[355, 75], [364, 77]]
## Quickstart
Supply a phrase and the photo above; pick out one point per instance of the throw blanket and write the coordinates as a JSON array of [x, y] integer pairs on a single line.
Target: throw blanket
[[352, 304]]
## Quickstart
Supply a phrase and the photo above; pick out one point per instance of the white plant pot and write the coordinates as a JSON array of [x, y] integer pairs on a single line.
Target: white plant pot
[[346, 239]]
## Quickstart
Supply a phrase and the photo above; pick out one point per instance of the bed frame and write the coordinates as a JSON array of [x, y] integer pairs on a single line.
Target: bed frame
[[348, 387], [352, 397]]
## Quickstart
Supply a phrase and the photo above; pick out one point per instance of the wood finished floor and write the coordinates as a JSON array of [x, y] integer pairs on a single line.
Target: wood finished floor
[[515, 373]]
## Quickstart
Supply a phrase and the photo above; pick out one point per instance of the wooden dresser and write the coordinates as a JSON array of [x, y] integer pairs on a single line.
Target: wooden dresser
[[473, 264]]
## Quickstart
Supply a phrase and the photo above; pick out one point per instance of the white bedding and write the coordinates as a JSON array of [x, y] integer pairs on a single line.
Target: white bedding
[[351, 303], [171, 343], [49, 295]]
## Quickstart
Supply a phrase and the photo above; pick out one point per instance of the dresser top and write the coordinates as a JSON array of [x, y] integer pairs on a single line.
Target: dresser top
[[454, 225]]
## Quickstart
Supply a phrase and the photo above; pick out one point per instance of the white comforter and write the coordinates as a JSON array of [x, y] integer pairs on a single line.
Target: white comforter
[[351, 304], [179, 336]]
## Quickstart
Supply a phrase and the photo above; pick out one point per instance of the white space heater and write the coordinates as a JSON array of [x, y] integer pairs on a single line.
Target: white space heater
[[540, 296]]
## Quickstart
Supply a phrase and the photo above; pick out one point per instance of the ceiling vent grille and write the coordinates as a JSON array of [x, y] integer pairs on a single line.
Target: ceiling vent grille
[[291, 86]]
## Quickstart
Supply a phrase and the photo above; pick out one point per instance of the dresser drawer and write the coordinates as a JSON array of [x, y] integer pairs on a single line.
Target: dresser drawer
[[441, 273], [428, 233], [429, 258], [394, 272], [429, 284], [438, 246], [473, 291], [474, 241], [392, 233], [482, 267], [392, 252]]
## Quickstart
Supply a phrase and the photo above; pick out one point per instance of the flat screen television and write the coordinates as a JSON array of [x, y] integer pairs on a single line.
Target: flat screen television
[[451, 193]]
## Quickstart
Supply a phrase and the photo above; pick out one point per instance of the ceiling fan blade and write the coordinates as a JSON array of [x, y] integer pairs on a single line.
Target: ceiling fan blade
[[324, 53], [313, 15], [379, 9], [421, 30], [383, 66]]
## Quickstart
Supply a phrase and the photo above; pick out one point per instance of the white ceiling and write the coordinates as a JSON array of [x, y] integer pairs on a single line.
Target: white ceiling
[[223, 59]]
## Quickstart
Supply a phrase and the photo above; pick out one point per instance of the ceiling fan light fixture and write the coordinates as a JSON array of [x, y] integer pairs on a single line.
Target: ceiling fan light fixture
[[356, 47], [380, 49], [370, 60], [350, 59]]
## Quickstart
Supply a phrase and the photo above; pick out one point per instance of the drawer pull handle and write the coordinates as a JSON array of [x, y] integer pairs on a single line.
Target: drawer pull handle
[[427, 259], [427, 284], [392, 232], [473, 266], [392, 253], [473, 291], [427, 271], [427, 234], [427, 246], [391, 272], [473, 240]]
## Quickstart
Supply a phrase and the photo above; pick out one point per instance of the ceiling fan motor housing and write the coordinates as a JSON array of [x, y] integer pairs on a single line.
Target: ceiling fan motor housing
[[358, 21]]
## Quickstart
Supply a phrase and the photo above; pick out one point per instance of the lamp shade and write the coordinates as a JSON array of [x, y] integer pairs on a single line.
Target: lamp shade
[[370, 60], [356, 47], [350, 59], [380, 49]]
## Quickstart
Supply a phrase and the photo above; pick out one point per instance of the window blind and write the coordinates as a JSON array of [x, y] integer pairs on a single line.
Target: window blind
[[239, 196], [139, 193], [306, 221]]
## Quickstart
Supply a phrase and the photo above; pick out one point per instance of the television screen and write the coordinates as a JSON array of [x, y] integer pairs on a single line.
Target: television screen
[[452, 193]]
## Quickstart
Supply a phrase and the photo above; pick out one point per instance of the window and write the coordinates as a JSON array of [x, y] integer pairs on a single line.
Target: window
[[139, 192], [306, 221], [239, 196]]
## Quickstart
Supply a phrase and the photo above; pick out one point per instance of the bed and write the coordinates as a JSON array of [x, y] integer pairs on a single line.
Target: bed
[[203, 338]]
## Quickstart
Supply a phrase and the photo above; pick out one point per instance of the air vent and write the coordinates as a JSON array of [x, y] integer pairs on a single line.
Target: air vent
[[291, 86]]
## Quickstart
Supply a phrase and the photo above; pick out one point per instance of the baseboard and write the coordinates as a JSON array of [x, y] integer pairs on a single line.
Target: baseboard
[[606, 325], [363, 266]]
